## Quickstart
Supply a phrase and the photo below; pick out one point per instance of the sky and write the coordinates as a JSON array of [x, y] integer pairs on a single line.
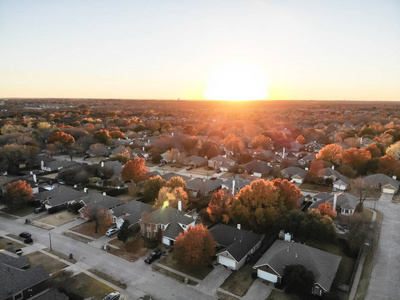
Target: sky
[[158, 49]]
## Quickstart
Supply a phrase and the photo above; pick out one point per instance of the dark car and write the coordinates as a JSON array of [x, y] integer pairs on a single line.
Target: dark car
[[25, 234], [153, 256], [28, 240]]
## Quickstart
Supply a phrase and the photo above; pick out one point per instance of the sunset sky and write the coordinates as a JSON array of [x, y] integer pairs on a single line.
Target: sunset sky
[[276, 49]]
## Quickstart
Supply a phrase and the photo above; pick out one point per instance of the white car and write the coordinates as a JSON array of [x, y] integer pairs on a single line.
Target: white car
[[112, 231]]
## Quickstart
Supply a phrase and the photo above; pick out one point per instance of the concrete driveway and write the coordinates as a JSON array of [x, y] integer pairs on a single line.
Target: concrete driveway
[[385, 277], [214, 279]]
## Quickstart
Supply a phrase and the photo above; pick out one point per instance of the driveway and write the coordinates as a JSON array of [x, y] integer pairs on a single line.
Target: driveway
[[385, 277], [214, 279]]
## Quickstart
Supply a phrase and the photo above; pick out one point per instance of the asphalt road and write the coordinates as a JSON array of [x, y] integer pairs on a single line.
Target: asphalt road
[[138, 276]]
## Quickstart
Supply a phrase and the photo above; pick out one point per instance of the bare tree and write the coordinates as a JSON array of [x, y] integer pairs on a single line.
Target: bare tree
[[363, 189]]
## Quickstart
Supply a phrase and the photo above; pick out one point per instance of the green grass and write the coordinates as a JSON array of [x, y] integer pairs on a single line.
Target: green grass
[[9, 244], [50, 264], [85, 286], [279, 295], [199, 273], [239, 281]]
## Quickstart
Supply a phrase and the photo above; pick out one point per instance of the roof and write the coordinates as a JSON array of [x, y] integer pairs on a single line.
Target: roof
[[258, 167], [11, 259], [165, 215], [331, 172], [60, 195], [14, 280], [235, 241], [50, 294], [222, 159], [131, 211], [203, 185], [344, 200], [291, 171], [96, 199], [195, 159], [60, 164], [168, 176], [322, 264], [239, 182], [382, 179]]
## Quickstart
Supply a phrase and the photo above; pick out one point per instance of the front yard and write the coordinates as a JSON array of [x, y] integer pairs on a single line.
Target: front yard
[[20, 211], [132, 250], [239, 281], [50, 264], [9, 244], [85, 286], [87, 228], [58, 219]]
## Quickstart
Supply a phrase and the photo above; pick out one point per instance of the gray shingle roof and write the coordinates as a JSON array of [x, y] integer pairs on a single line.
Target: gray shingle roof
[[382, 179], [291, 171], [105, 201], [203, 185], [324, 265], [196, 160], [344, 200], [131, 211], [60, 195], [170, 175], [165, 215], [10, 260], [258, 167], [50, 294], [237, 242]]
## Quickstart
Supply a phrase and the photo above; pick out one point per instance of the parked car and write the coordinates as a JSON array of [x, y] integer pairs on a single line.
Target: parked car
[[39, 209], [25, 234], [112, 296], [153, 256], [161, 164], [189, 167], [18, 252], [112, 231], [28, 240]]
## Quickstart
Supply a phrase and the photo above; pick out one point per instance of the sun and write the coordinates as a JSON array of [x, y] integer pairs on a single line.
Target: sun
[[237, 82]]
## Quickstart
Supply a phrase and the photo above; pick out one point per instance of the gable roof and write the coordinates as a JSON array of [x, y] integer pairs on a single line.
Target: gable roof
[[236, 242], [291, 171], [131, 211], [50, 294], [195, 159], [11, 259], [169, 175], [258, 167], [239, 182], [344, 200], [165, 215], [322, 264], [60, 195], [222, 159], [203, 185], [382, 179]]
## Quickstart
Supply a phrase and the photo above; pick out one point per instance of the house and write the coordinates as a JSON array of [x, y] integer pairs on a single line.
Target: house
[[235, 245], [306, 160], [99, 200], [221, 162], [18, 284], [115, 165], [58, 165], [202, 186], [258, 168], [60, 196], [339, 181], [344, 203], [324, 265], [11, 259], [167, 221], [50, 294], [131, 211], [235, 184], [385, 183], [169, 175], [313, 147], [294, 174], [30, 180], [195, 161]]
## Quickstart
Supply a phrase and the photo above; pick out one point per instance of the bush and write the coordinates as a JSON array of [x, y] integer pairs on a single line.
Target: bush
[[75, 207]]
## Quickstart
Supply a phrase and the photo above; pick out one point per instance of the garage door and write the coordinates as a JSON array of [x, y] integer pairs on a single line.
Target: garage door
[[166, 241], [388, 191], [298, 180], [267, 276], [230, 263]]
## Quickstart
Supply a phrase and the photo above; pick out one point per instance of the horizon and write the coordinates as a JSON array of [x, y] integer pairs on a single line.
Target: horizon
[[230, 50]]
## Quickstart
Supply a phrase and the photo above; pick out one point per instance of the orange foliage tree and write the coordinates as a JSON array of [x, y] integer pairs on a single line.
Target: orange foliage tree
[[135, 170], [63, 140], [326, 209], [116, 134], [355, 157], [102, 136], [288, 194], [194, 247], [17, 193], [219, 208], [331, 153], [301, 140], [261, 141], [100, 215], [172, 196], [233, 143], [261, 204], [176, 182], [316, 168], [389, 165]]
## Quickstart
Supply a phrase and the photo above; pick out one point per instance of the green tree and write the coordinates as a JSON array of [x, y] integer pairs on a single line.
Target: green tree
[[124, 232], [298, 280], [152, 187]]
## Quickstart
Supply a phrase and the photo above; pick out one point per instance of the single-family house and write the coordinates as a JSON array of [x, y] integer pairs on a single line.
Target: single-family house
[[306, 160], [60, 196], [257, 168], [99, 200], [235, 184], [235, 245], [339, 181], [221, 162], [58, 165], [202, 186], [30, 180], [167, 221], [169, 175], [313, 147], [294, 174], [131, 211], [50, 294], [344, 203], [195, 161], [11, 259], [383, 182], [324, 265]]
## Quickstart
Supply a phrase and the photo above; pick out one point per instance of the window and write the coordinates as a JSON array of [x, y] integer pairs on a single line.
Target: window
[[18, 296]]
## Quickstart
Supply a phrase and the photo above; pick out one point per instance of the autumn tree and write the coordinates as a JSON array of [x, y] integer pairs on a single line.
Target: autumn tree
[[17, 193], [394, 150], [152, 187], [116, 134], [194, 247], [135, 170], [316, 168], [301, 140], [288, 194], [9, 154], [261, 141], [389, 165], [102, 136], [356, 158], [171, 197], [219, 208], [363, 189], [261, 203], [326, 209], [190, 143], [374, 149], [331, 153], [176, 182], [234, 144], [63, 140], [100, 215], [209, 149]]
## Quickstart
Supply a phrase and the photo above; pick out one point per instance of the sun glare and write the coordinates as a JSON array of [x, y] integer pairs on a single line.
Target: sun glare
[[237, 82]]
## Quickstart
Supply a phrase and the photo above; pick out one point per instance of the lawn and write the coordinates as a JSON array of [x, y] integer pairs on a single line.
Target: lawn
[[132, 250], [77, 237], [223, 296], [199, 273], [58, 219], [50, 264], [239, 281], [8, 244], [108, 278], [87, 228], [85, 286], [279, 295], [20, 211], [172, 275]]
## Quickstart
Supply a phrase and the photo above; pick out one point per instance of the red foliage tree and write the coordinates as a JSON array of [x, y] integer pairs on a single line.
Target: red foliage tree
[[233, 143], [63, 140], [316, 168], [116, 134], [355, 157], [326, 209], [219, 208], [17, 193], [135, 170], [389, 165], [288, 193], [301, 140], [194, 247]]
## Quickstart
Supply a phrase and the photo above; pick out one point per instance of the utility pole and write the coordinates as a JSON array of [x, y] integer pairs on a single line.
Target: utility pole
[[51, 249]]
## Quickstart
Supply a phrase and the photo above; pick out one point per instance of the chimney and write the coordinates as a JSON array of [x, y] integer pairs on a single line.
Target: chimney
[[42, 164], [239, 226], [283, 152], [334, 202], [306, 169], [102, 164], [333, 167], [143, 148], [85, 190], [180, 205], [104, 193], [394, 177], [288, 237], [233, 187], [34, 178]]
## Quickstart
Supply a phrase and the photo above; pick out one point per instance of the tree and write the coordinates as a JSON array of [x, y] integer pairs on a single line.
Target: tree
[[124, 232], [176, 182], [389, 165], [233, 143], [171, 197], [288, 194], [261, 203], [331, 153], [116, 134], [326, 209], [152, 187], [298, 280], [190, 143], [102, 136], [316, 168], [394, 150], [362, 189], [355, 158], [261, 141], [63, 140], [100, 215], [374, 149], [301, 140], [194, 247], [17, 193], [209, 149], [219, 208], [135, 170]]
